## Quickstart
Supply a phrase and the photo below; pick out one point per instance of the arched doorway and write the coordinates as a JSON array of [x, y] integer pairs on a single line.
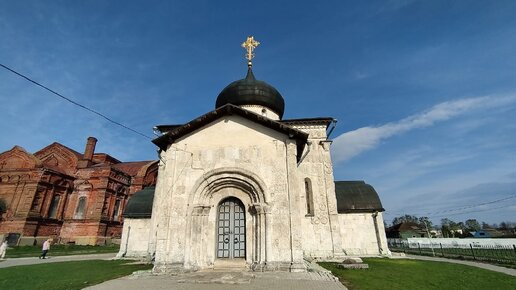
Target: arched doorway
[[231, 237]]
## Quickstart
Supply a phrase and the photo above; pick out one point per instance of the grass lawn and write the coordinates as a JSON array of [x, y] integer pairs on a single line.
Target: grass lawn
[[59, 250], [66, 275], [413, 274]]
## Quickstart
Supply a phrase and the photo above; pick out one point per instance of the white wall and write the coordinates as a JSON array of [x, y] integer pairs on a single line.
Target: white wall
[[359, 237], [135, 239]]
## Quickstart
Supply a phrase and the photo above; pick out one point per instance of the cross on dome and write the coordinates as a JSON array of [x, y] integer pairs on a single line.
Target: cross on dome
[[249, 45]]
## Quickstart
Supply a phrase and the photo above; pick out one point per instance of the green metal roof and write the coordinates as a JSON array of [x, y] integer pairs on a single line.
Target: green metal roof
[[139, 205], [356, 196]]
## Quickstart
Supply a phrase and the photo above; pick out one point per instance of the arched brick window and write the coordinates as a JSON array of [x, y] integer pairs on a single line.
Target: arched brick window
[[54, 205], [309, 197], [116, 210], [81, 208]]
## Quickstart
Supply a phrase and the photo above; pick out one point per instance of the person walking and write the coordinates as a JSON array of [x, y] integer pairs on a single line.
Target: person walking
[[46, 247], [3, 249]]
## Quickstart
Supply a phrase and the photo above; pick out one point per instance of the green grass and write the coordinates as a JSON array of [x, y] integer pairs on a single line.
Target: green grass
[[59, 250], [497, 255], [66, 275], [413, 274]]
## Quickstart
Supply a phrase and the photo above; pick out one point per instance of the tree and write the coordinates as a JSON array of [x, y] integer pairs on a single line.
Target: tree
[[450, 228], [472, 225], [425, 222], [507, 225], [486, 226], [405, 219]]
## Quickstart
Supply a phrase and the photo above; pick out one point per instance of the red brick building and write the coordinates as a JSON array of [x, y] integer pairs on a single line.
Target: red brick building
[[71, 197]]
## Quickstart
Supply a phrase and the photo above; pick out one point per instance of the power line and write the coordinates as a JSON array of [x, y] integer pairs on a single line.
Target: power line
[[461, 210], [480, 210], [431, 208], [474, 205], [75, 103], [434, 213]]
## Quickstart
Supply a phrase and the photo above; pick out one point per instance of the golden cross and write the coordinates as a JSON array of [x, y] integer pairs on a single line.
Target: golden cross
[[250, 44]]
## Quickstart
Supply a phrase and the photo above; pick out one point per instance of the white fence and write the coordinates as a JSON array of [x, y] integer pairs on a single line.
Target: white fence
[[453, 242]]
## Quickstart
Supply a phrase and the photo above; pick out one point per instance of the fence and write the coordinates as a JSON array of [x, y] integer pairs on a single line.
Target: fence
[[500, 254]]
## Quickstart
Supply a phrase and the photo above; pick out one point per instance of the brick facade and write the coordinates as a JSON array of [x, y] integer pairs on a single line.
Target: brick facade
[[72, 197]]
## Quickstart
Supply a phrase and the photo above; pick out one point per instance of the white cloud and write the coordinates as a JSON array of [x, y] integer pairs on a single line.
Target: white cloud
[[351, 144]]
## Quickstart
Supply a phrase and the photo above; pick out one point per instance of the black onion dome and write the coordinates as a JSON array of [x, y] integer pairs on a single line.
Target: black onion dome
[[250, 91]]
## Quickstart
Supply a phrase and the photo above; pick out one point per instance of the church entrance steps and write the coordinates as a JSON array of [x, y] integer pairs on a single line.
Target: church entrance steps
[[230, 264], [317, 272], [213, 280]]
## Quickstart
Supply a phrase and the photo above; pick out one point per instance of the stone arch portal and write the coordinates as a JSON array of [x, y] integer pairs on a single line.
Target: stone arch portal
[[211, 191]]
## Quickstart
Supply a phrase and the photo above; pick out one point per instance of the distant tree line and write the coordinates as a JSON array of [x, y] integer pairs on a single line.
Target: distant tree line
[[450, 228]]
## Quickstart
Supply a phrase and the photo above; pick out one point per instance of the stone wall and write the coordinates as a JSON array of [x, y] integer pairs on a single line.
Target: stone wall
[[359, 237], [321, 234], [135, 241]]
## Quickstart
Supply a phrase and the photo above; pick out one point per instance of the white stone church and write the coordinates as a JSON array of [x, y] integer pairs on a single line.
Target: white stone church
[[240, 185]]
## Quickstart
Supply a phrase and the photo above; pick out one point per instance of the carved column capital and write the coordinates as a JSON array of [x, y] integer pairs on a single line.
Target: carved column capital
[[198, 210], [326, 144]]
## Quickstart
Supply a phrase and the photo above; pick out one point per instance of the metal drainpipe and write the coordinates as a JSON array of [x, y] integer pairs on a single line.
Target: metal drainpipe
[[334, 122], [127, 240], [377, 232], [289, 205]]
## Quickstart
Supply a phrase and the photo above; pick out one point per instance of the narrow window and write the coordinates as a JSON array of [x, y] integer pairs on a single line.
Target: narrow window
[[116, 209], [309, 197], [81, 205], [52, 212]]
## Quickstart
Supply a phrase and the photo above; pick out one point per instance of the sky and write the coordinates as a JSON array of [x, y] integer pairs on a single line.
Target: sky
[[424, 91]]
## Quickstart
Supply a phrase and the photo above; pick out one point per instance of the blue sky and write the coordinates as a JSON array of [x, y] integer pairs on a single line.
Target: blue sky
[[424, 91]]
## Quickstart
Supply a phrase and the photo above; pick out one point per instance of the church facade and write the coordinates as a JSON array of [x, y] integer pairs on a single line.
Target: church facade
[[242, 186]]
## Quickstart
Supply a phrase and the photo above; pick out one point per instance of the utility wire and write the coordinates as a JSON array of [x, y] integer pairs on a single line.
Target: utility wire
[[460, 209], [480, 210], [74, 102], [472, 206]]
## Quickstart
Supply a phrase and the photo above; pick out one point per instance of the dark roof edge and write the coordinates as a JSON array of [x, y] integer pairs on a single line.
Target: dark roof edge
[[168, 138], [367, 210], [167, 128], [137, 216]]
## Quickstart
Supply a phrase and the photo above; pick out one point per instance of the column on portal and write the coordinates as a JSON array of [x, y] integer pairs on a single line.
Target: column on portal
[[193, 246], [265, 228], [259, 232], [205, 248]]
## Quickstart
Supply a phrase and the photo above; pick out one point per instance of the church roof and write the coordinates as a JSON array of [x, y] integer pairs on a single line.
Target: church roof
[[139, 205], [177, 132], [250, 91], [131, 168], [356, 196]]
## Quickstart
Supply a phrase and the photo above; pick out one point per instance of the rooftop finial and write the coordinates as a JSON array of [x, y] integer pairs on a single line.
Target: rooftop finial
[[249, 45]]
